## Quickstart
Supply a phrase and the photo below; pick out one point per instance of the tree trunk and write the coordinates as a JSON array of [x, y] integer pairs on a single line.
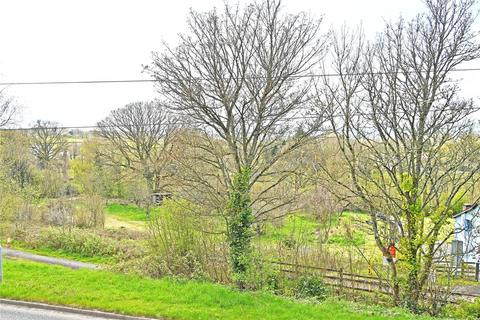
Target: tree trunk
[[239, 220], [413, 289]]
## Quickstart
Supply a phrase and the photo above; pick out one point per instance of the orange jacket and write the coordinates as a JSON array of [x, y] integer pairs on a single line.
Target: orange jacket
[[393, 251]]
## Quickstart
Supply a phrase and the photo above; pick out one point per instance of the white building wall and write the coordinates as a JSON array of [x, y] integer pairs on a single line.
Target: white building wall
[[470, 238]]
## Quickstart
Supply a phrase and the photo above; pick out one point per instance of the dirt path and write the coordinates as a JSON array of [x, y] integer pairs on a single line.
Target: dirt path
[[48, 260], [115, 223]]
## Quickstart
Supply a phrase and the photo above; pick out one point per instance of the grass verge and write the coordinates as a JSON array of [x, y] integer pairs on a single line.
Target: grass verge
[[167, 297]]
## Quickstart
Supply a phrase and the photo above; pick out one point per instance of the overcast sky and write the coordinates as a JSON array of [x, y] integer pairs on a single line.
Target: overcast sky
[[98, 39]]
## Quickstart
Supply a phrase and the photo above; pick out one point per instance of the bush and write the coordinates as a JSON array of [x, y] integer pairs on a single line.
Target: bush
[[26, 215], [85, 243], [90, 212], [59, 213], [10, 203], [51, 183], [262, 276], [76, 241], [85, 212], [186, 265], [180, 246], [311, 287], [466, 310]]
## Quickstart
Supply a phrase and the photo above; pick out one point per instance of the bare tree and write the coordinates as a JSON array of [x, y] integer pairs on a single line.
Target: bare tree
[[405, 134], [8, 109], [139, 138], [48, 141], [240, 75]]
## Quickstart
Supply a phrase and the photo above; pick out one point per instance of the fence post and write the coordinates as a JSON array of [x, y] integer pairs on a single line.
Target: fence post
[[477, 271], [341, 280], [380, 287]]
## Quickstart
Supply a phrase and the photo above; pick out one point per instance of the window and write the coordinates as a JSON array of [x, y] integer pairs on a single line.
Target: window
[[468, 225]]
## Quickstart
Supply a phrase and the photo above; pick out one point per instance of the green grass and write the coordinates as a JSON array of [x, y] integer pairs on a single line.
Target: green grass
[[167, 297], [302, 226], [295, 226], [127, 212], [357, 239]]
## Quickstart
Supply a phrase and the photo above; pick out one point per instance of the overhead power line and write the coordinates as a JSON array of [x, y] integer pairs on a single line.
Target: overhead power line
[[75, 82], [179, 123], [106, 81]]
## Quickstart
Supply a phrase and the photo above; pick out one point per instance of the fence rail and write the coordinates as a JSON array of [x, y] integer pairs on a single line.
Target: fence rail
[[343, 281], [464, 270]]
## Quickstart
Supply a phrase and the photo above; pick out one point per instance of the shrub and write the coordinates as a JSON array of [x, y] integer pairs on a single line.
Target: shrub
[[261, 276], [311, 287], [186, 265], [85, 212], [466, 310], [90, 212], [27, 214], [85, 243], [76, 241], [10, 203], [17, 214], [180, 246], [51, 183], [122, 234], [59, 213]]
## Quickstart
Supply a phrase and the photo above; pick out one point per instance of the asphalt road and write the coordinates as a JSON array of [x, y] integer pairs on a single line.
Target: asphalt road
[[49, 260], [10, 312]]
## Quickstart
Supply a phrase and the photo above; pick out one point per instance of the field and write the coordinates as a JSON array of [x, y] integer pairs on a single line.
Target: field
[[126, 212], [123, 248], [172, 298], [295, 238]]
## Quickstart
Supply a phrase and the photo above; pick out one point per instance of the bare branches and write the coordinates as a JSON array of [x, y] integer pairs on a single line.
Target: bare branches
[[404, 132], [239, 72], [139, 138], [48, 141], [8, 109]]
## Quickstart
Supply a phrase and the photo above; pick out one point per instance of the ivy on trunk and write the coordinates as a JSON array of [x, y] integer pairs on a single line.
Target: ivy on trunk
[[239, 223]]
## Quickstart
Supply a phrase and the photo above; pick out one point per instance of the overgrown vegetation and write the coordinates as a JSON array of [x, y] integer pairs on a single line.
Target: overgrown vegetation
[[466, 310], [180, 246], [168, 297], [103, 246], [271, 181]]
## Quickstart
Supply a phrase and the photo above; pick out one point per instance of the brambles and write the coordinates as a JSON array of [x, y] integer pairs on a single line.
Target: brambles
[[311, 287]]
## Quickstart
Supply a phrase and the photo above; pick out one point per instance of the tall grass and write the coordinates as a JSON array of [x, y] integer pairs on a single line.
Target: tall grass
[[174, 299]]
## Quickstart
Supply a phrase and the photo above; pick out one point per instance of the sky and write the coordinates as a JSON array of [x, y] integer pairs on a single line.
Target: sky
[[66, 40]]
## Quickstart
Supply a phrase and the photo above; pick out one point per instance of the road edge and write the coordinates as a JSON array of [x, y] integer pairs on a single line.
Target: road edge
[[84, 312], [67, 263]]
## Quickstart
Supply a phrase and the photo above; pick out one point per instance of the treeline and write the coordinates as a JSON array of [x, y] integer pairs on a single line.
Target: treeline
[[249, 122]]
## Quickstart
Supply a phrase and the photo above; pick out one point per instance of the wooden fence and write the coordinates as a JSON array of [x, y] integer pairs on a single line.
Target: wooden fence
[[344, 281], [465, 270]]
